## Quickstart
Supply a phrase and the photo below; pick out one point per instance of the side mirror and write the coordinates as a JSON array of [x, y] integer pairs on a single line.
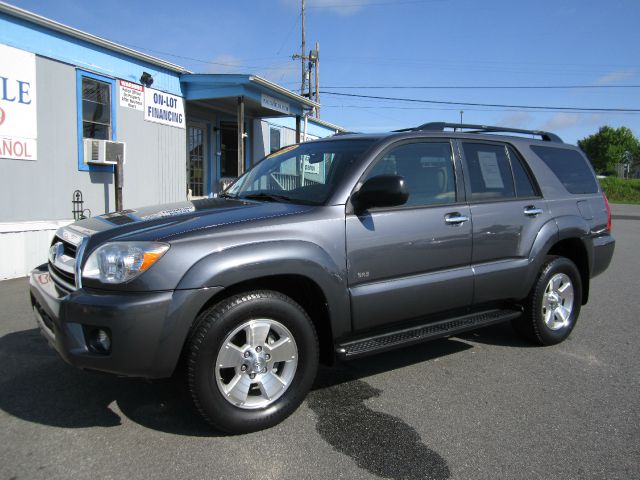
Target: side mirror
[[380, 191]]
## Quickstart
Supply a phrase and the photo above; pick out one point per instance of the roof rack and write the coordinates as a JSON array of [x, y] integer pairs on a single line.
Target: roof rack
[[440, 126]]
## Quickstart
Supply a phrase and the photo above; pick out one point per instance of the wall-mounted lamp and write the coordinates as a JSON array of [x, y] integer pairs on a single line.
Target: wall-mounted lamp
[[146, 79]]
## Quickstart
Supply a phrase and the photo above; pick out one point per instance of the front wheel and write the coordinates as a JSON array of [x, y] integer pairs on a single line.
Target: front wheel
[[553, 306], [251, 360]]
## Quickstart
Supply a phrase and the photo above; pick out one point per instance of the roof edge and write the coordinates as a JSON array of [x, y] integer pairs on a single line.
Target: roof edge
[[87, 37], [283, 91]]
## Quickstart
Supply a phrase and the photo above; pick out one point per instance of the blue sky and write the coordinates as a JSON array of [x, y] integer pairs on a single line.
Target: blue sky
[[402, 43]]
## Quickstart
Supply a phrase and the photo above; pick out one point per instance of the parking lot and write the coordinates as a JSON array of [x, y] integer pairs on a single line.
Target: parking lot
[[483, 405]]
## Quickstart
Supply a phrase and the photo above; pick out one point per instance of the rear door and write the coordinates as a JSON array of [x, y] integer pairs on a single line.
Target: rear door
[[507, 212], [413, 260]]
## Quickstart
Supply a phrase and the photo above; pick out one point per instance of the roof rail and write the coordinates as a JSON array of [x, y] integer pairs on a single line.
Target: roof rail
[[440, 126]]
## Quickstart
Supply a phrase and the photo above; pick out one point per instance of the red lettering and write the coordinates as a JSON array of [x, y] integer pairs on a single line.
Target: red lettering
[[15, 149], [7, 147], [3, 116]]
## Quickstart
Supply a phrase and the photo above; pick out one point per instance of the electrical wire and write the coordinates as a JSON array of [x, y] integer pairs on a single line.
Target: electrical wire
[[478, 87], [443, 102]]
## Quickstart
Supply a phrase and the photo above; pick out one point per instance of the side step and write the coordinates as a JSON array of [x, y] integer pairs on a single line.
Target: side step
[[430, 331]]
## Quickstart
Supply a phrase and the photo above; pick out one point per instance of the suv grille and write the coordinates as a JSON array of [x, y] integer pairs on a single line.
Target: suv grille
[[63, 270]]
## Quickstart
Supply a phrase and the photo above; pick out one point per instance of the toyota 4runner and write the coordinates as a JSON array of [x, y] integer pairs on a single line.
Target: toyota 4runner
[[331, 249]]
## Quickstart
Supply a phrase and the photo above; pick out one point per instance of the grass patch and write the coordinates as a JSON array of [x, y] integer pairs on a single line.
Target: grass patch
[[621, 190]]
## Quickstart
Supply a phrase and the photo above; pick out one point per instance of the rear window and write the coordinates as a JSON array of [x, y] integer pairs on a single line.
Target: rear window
[[570, 167]]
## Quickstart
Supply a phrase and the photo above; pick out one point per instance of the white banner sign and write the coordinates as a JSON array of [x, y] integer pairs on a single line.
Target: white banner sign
[[18, 113], [160, 107], [131, 95], [275, 104]]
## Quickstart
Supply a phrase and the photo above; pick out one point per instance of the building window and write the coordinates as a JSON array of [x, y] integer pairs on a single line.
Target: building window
[[274, 139], [96, 109]]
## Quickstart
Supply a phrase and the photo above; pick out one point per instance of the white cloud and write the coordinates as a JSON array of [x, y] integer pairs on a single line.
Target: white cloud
[[225, 63], [616, 76], [341, 7], [560, 121], [516, 120]]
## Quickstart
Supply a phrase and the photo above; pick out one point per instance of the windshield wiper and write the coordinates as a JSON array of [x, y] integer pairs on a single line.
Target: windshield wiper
[[273, 197], [227, 195]]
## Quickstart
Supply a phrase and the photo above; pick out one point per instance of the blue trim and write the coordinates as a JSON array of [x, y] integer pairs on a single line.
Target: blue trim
[[79, 75], [40, 40]]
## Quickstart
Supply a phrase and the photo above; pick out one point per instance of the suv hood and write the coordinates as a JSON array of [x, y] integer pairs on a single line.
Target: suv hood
[[164, 221]]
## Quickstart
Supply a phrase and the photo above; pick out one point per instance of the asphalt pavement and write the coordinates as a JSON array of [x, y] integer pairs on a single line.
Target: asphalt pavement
[[481, 406]]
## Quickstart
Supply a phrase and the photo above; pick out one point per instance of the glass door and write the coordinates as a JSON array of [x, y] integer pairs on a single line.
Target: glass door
[[196, 161]]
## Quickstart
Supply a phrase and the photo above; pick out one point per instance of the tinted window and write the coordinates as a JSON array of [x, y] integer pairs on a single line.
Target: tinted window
[[427, 169], [96, 109], [524, 185], [489, 171], [570, 167]]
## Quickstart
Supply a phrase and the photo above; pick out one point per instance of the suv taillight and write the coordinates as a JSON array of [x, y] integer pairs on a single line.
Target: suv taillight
[[606, 204]]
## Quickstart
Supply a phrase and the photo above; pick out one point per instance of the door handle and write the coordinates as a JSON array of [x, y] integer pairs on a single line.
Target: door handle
[[455, 218], [532, 211]]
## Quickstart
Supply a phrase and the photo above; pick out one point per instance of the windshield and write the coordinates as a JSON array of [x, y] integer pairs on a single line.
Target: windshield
[[306, 173]]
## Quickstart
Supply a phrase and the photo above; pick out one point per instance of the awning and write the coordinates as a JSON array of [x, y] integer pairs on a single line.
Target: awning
[[262, 98]]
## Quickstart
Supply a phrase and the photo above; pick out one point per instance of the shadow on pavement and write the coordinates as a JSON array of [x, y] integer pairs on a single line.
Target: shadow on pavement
[[37, 386], [500, 334]]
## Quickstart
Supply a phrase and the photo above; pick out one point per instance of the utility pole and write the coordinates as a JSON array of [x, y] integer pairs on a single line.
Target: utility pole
[[461, 112], [317, 78], [302, 53]]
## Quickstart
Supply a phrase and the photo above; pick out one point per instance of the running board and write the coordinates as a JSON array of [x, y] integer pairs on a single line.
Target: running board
[[430, 331]]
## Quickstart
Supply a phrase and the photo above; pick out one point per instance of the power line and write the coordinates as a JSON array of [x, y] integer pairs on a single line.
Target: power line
[[479, 87], [368, 4], [394, 107], [442, 102]]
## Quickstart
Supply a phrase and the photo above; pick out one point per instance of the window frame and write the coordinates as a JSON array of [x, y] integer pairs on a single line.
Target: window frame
[[80, 74], [527, 170], [457, 172]]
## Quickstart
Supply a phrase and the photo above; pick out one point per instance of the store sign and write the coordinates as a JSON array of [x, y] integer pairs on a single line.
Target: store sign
[[275, 104], [161, 107], [131, 95], [18, 113]]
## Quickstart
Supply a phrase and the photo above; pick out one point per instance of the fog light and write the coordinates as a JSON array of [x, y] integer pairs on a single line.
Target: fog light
[[100, 340]]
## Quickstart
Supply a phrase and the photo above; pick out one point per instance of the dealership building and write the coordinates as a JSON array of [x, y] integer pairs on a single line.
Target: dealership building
[[72, 105]]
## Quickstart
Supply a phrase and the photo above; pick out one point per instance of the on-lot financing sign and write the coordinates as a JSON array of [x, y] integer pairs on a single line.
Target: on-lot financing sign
[[18, 113], [161, 107]]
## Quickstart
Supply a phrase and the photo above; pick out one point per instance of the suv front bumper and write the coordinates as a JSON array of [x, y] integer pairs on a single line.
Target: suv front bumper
[[147, 329]]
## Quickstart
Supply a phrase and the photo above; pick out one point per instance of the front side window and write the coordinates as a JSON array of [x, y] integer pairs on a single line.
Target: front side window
[[96, 109], [306, 173], [427, 169]]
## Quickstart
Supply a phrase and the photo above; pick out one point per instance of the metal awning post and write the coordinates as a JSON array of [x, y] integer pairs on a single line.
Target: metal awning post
[[240, 135]]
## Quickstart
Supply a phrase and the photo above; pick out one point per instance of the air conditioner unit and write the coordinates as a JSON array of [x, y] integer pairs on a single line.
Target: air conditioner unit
[[103, 152]]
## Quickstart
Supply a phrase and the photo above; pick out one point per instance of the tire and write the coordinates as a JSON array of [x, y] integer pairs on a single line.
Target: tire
[[251, 360], [552, 308]]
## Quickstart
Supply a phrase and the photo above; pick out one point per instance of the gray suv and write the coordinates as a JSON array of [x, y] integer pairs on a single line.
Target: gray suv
[[330, 250]]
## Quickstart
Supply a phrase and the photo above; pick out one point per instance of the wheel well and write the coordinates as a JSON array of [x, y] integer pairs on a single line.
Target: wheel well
[[303, 291], [574, 250]]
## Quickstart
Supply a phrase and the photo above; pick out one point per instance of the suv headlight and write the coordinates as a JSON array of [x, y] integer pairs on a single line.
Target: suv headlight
[[119, 262]]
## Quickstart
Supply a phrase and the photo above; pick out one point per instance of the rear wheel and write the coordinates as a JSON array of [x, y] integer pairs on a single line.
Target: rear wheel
[[251, 361], [553, 306]]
